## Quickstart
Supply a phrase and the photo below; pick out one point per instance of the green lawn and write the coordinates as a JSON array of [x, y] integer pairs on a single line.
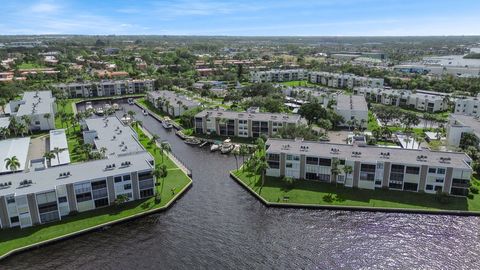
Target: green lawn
[[316, 193], [175, 181], [372, 122], [29, 66], [299, 83]]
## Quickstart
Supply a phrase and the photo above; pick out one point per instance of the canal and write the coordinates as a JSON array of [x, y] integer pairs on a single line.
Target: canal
[[218, 225]]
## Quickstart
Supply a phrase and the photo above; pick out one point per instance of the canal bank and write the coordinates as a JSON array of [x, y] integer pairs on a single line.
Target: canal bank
[[287, 204], [218, 225]]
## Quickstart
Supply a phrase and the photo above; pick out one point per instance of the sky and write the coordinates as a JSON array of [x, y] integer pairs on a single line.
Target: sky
[[242, 18]]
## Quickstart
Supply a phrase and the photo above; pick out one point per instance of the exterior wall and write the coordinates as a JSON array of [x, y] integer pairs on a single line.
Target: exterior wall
[[72, 201], [135, 189], [356, 173], [32, 204], [4, 222]]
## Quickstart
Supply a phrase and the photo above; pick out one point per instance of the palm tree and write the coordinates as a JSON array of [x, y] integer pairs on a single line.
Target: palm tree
[[334, 170], [22, 129], [13, 126], [87, 149], [160, 171], [153, 140], [56, 151], [167, 105], [103, 151], [4, 132], [243, 152], [179, 103], [47, 116], [164, 147], [131, 114], [407, 140], [236, 153], [48, 156], [261, 165], [347, 169], [12, 163], [27, 120]]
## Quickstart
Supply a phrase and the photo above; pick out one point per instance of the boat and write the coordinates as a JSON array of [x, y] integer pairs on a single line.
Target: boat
[[214, 147], [227, 146], [193, 141], [180, 134], [145, 112], [99, 111], [166, 123], [203, 144], [130, 101], [116, 107], [107, 107], [88, 106]]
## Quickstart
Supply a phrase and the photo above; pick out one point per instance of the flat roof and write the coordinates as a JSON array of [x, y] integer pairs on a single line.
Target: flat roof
[[173, 98], [369, 153], [467, 120], [14, 147], [351, 102], [113, 135], [58, 139], [43, 101], [280, 117], [48, 179]]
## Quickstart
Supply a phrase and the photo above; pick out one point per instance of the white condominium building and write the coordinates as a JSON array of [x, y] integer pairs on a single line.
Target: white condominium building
[[372, 167], [352, 108], [171, 102], [38, 106], [278, 75], [418, 99], [337, 80], [105, 88]]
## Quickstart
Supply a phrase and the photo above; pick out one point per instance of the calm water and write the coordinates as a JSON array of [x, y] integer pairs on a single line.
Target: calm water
[[218, 225]]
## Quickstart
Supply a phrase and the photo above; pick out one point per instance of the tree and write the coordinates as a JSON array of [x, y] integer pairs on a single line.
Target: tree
[[131, 114], [4, 131], [347, 169], [121, 199], [56, 151], [334, 170], [27, 120], [47, 116], [48, 156], [153, 140], [103, 151], [179, 103], [261, 166], [160, 172], [164, 147], [469, 139], [312, 111], [243, 152], [236, 153], [12, 163]]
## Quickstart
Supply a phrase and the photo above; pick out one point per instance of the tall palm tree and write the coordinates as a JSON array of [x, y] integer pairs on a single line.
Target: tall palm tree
[[243, 152], [179, 103], [260, 166], [153, 140], [28, 121], [12, 163], [56, 151], [48, 156], [47, 116], [22, 129], [347, 169], [160, 172], [334, 170], [131, 114], [164, 147]]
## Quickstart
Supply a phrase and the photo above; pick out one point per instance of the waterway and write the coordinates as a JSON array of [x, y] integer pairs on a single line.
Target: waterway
[[219, 225]]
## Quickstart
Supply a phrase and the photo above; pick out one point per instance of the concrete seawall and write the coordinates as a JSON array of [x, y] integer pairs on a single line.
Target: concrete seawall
[[354, 208]]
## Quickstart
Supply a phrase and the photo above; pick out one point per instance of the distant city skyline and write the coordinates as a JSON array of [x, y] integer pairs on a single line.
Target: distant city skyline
[[242, 18]]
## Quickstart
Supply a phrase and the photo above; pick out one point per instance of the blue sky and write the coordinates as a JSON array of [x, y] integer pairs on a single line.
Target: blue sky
[[245, 18]]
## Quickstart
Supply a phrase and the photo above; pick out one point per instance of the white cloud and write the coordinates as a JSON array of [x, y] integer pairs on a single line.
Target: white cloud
[[44, 7]]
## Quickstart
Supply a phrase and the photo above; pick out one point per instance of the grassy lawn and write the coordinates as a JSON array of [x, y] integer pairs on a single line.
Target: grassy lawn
[[175, 181], [372, 122], [299, 83], [316, 193]]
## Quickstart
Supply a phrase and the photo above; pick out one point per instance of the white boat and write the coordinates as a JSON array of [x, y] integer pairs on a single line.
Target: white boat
[[107, 107], [214, 147], [166, 123], [99, 111], [88, 106], [227, 146], [116, 107]]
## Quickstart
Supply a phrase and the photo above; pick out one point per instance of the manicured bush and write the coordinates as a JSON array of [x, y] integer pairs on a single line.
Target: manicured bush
[[474, 189], [328, 198]]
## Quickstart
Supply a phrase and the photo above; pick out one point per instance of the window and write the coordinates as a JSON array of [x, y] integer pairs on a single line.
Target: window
[[14, 219], [84, 197], [146, 193], [429, 187], [289, 165], [413, 170], [126, 177], [118, 179], [325, 162], [101, 202], [410, 186], [62, 199], [397, 168], [440, 171], [432, 170], [439, 180], [127, 186], [438, 188], [10, 200], [312, 160]]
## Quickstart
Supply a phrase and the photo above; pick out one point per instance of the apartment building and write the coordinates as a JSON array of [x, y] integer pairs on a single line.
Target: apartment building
[[171, 102], [467, 106], [278, 75], [39, 106], [42, 194], [352, 108], [105, 88], [372, 167], [419, 99], [243, 124], [337, 80]]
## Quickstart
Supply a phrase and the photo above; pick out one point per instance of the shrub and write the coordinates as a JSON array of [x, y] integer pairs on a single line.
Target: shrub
[[328, 198], [470, 196], [474, 189], [443, 197]]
